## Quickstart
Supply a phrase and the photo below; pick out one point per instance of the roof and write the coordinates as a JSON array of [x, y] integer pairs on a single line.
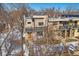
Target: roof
[[64, 19], [67, 18], [58, 19], [70, 15], [39, 16]]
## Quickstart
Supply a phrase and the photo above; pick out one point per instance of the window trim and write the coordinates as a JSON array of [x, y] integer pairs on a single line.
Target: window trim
[[41, 23]]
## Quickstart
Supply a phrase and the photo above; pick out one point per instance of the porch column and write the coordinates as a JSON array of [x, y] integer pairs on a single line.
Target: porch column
[[71, 33], [65, 34]]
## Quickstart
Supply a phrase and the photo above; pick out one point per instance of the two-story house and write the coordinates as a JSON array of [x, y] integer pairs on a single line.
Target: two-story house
[[41, 22], [34, 26]]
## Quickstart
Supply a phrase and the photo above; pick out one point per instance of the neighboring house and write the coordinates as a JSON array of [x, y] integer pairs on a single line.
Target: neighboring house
[[67, 26], [58, 25]]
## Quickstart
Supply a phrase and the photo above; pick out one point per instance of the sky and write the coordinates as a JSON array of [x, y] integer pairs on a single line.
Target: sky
[[38, 6]]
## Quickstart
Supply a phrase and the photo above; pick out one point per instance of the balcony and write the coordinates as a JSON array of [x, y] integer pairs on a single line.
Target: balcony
[[77, 26], [35, 29], [29, 29], [63, 28], [66, 27], [39, 28]]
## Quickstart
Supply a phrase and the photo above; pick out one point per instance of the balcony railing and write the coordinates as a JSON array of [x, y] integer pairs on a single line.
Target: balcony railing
[[29, 29], [39, 28], [68, 27], [35, 29]]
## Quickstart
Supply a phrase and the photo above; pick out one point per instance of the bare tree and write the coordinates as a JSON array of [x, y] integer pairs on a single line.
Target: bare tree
[[12, 18]]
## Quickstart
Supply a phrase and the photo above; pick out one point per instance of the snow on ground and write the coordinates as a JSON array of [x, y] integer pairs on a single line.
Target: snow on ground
[[16, 34]]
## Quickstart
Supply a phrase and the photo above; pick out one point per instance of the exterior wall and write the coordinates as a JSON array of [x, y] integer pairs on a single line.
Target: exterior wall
[[76, 30], [77, 22], [76, 33], [39, 28], [38, 19], [29, 25], [28, 28], [54, 25]]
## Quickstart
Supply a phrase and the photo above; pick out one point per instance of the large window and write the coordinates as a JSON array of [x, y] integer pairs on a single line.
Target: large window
[[40, 33], [41, 23]]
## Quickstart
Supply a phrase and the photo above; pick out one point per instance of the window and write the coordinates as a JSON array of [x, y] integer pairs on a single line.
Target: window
[[54, 23], [75, 23], [29, 22], [41, 23], [61, 22], [78, 30], [40, 33]]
